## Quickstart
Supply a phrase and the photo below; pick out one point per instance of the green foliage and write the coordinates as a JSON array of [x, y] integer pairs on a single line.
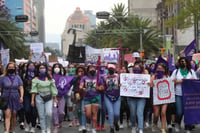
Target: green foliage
[[12, 37], [123, 23], [188, 15]]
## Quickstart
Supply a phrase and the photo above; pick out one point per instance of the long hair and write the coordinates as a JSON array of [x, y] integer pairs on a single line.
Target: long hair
[[165, 67], [80, 67], [188, 65], [37, 71], [6, 70], [26, 73], [59, 65], [141, 66]]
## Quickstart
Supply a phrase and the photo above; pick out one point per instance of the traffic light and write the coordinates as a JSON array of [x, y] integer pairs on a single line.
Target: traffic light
[[162, 50], [141, 54]]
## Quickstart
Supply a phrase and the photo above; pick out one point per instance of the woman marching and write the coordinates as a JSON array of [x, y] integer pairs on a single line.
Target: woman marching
[[44, 92], [91, 98], [183, 72], [112, 97], [161, 72], [30, 112], [137, 105], [10, 85]]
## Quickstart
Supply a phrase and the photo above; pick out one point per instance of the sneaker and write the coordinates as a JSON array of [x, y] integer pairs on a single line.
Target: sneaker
[[22, 125], [154, 128], [140, 131], [27, 129], [81, 128], [112, 130], [169, 128], [48, 130], [103, 128], [133, 130], [121, 126], [88, 127], [77, 123], [116, 127], [187, 131], [98, 127], [43, 131], [94, 130], [177, 128], [71, 124], [147, 125], [163, 131], [32, 130]]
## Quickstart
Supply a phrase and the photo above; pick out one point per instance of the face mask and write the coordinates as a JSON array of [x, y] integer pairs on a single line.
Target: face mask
[[57, 70], [137, 70], [92, 72], [111, 71], [159, 74], [11, 71], [130, 69], [182, 65], [31, 69], [42, 71]]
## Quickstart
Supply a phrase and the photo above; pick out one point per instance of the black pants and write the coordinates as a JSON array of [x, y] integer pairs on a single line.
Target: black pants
[[124, 109]]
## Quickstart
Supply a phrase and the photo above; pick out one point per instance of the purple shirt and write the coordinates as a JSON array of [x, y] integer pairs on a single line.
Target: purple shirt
[[90, 85]]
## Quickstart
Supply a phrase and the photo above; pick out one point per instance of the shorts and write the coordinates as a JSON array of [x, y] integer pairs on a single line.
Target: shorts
[[96, 100]]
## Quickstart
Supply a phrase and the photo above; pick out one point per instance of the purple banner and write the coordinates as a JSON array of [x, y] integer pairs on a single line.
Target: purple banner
[[191, 101]]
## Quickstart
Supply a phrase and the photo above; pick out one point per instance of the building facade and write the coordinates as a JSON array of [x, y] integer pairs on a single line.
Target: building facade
[[81, 23], [144, 8]]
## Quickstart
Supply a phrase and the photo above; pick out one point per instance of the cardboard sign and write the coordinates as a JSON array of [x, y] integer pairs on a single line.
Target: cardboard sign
[[196, 57], [135, 85], [163, 91], [37, 47], [53, 58]]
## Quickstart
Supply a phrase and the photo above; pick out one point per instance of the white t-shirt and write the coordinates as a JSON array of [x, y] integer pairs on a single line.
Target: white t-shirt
[[177, 75]]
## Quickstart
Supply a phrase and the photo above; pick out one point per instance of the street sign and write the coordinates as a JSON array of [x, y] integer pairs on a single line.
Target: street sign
[[103, 15], [21, 18], [33, 33]]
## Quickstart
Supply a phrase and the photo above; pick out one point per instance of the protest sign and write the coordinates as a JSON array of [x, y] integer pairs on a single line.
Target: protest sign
[[128, 57], [5, 56], [196, 57], [53, 58], [37, 57], [37, 47], [110, 55], [163, 91], [92, 54], [191, 101], [135, 85]]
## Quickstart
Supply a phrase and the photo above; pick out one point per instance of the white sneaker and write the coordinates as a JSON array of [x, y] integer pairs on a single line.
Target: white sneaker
[[32, 130], [121, 126], [80, 129], [147, 125], [187, 131], [88, 127], [133, 130], [43, 131], [48, 130], [140, 131], [177, 128], [27, 129], [94, 131]]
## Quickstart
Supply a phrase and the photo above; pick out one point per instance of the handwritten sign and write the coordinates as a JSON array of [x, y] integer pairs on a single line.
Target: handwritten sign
[[53, 58], [5, 56], [196, 56], [134, 85], [110, 55], [37, 47], [36, 57], [163, 91]]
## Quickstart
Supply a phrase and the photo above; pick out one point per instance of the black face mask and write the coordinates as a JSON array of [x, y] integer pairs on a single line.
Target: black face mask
[[11, 71], [92, 72], [111, 71], [182, 65]]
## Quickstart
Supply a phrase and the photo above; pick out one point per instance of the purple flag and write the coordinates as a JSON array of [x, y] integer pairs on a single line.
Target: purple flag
[[170, 62], [160, 60], [62, 83], [190, 49], [191, 101]]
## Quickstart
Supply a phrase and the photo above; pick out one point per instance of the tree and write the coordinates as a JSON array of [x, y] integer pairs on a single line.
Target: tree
[[11, 36], [188, 15], [128, 29]]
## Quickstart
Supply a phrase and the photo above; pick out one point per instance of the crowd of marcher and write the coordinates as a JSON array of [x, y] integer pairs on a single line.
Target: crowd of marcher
[[40, 95]]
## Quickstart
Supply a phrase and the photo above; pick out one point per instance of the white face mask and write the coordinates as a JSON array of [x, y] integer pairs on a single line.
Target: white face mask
[[56, 70]]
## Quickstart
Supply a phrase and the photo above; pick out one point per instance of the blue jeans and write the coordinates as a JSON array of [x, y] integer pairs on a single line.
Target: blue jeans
[[113, 109], [45, 112], [136, 106], [81, 112], [179, 109]]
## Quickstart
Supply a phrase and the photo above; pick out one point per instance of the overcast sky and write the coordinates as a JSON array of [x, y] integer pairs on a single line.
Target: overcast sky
[[57, 12]]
